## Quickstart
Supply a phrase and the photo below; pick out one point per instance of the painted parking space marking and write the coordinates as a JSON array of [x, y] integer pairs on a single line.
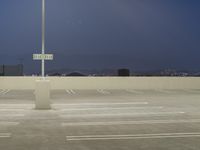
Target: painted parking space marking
[[191, 91], [12, 115], [119, 114], [89, 105], [164, 91], [134, 91], [111, 108], [5, 135], [17, 106], [132, 136], [5, 123], [4, 92], [101, 91], [97, 104], [70, 91], [1, 91], [107, 123], [13, 110]]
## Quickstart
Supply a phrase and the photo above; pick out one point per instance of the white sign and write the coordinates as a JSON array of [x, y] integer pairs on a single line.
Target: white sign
[[42, 56]]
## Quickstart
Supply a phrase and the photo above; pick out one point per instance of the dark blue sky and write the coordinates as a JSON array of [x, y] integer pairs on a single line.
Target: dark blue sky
[[138, 34]]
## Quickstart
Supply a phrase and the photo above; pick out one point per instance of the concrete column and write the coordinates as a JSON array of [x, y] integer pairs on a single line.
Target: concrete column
[[42, 94]]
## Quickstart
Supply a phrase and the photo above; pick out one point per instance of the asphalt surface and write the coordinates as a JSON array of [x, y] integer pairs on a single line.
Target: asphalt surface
[[101, 120]]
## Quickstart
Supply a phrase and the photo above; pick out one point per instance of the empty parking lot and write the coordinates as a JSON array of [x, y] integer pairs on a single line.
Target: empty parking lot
[[101, 119]]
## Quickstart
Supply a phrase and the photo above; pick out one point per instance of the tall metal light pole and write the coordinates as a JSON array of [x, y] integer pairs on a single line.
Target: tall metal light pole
[[43, 37], [43, 56], [42, 88]]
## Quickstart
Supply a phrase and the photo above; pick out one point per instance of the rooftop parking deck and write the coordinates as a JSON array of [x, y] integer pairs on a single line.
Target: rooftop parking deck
[[101, 119]]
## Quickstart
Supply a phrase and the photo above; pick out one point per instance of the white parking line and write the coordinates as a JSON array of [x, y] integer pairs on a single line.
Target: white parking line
[[12, 115], [70, 91], [111, 108], [4, 92], [101, 91], [101, 104], [17, 106], [1, 91], [163, 91], [13, 110], [3, 123], [119, 114], [191, 91], [5, 135], [107, 123], [73, 92], [132, 136], [134, 91]]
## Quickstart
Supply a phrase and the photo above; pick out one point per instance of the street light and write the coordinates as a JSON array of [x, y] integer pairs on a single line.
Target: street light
[[43, 37], [43, 56], [42, 87]]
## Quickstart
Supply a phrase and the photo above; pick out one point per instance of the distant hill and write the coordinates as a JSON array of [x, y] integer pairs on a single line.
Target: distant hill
[[75, 74]]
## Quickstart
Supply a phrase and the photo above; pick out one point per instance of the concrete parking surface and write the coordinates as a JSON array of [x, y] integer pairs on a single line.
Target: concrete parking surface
[[101, 120]]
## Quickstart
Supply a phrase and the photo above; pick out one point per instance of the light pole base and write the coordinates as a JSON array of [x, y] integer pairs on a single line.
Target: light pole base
[[42, 94]]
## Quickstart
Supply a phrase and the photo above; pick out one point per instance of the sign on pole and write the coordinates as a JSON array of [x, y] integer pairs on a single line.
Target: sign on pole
[[42, 56]]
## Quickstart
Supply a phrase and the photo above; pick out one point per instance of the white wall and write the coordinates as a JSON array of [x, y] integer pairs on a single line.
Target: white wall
[[104, 82]]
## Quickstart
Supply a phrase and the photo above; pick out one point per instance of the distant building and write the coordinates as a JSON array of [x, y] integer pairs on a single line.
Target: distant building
[[1, 70], [11, 70], [55, 74], [123, 72]]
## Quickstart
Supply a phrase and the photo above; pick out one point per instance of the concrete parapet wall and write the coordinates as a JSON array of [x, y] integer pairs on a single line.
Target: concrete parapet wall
[[104, 82]]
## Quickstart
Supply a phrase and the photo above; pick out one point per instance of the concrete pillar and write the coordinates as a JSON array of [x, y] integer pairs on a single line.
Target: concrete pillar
[[42, 94]]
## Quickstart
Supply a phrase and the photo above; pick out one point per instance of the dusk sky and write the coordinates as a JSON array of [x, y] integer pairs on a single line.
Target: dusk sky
[[97, 34]]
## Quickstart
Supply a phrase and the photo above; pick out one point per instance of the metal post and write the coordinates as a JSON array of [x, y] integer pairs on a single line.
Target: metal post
[[42, 87], [43, 37], [3, 70]]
